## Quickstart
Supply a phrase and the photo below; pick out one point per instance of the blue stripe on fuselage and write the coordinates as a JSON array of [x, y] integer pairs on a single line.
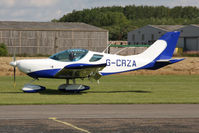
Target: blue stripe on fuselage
[[151, 64], [44, 73]]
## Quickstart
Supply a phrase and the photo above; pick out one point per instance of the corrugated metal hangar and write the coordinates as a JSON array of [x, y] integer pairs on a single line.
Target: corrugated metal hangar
[[46, 38], [189, 35], [189, 38]]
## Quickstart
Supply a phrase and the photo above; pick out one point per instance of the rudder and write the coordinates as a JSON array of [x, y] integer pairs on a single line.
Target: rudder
[[171, 38]]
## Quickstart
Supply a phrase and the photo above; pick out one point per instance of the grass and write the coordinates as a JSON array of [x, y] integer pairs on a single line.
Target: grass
[[116, 89]]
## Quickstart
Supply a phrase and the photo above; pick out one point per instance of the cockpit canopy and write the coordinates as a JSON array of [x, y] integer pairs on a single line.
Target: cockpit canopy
[[69, 55]]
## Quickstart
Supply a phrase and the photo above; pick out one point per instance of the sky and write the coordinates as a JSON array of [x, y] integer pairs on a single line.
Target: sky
[[46, 10]]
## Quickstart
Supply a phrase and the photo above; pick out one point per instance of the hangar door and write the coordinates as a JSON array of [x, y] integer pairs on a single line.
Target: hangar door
[[191, 44]]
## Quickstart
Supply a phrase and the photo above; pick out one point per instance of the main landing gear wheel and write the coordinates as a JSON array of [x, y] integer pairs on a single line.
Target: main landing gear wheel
[[72, 87]]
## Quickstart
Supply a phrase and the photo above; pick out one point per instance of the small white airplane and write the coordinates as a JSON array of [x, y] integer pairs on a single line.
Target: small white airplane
[[80, 63]]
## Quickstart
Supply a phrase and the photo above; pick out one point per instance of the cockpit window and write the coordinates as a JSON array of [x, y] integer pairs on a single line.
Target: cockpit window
[[95, 57], [69, 55]]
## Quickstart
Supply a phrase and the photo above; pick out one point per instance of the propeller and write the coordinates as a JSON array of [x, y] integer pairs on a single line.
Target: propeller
[[14, 64], [14, 76]]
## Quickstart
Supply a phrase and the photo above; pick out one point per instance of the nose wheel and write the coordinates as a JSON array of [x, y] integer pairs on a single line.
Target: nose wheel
[[30, 88]]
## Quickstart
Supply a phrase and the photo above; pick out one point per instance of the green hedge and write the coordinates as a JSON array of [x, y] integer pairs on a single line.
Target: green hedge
[[3, 50]]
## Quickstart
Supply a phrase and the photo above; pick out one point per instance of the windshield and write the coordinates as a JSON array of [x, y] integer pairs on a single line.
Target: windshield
[[69, 55]]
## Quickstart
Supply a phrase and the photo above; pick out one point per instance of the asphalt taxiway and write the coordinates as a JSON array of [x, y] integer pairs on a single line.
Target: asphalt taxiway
[[100, 118], [100, 111]]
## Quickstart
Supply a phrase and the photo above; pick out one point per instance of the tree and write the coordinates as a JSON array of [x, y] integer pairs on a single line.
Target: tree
[[120, 20]]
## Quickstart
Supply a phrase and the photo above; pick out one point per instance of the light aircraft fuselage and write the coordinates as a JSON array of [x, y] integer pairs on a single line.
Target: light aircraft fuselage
[[81, 63]]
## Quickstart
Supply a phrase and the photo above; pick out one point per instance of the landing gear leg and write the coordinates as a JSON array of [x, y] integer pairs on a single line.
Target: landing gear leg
[[32, 81], [67, 81], [74, 82]]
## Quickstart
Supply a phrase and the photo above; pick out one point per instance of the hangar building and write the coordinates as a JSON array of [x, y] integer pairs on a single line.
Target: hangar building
[[150, 33], [189, 38], [46, 38], [189, 35]]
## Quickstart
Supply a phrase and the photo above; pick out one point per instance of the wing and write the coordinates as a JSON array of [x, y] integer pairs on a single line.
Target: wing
[[81, 71]]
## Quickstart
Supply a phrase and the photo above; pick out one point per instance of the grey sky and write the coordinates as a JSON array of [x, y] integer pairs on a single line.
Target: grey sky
[[46, 10]]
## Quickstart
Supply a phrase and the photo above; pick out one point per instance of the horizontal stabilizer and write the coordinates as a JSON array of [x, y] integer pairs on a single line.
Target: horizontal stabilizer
[[161, 63], [170, 60]]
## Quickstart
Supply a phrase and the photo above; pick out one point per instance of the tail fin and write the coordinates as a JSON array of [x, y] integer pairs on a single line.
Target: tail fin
[[164, 48], [171, 39]]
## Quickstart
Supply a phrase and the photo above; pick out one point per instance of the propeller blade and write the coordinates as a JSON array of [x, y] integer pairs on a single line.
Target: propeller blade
[[13, 63], [14, 77], [14, 57]]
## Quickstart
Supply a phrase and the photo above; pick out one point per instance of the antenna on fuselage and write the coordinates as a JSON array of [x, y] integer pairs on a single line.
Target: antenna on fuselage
[[106, 48]]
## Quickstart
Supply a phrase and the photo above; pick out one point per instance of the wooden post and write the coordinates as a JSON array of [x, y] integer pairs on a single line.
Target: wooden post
[[55, 42], [38, 42]]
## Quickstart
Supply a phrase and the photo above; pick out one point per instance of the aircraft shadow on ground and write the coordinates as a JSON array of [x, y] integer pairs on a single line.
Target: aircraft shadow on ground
[[11, 92], [127, 91], [58, 92]]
